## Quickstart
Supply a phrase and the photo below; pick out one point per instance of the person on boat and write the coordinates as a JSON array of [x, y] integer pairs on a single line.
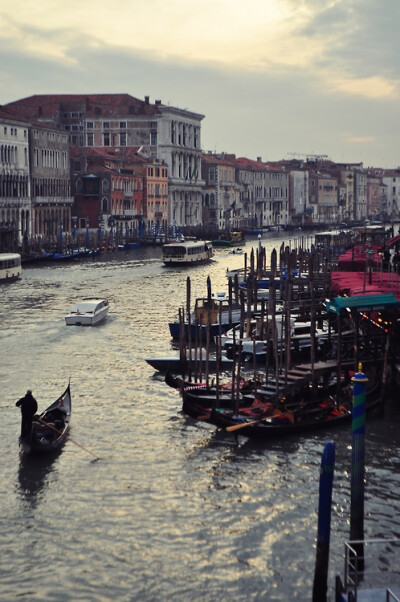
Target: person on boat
[[29, 408]]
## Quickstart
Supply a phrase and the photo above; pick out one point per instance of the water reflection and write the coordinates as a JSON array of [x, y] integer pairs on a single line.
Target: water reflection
[[33, 476]]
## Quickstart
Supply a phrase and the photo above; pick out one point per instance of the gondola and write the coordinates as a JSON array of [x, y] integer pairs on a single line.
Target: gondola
[[266, 420], [49, 429], [197, 393]]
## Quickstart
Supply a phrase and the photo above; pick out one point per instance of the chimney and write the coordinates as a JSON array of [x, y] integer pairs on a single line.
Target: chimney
[[147, 99], [157, 102], [259, 159]]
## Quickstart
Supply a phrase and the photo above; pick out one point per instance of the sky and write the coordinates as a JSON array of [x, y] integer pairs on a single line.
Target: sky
[[274, 79]]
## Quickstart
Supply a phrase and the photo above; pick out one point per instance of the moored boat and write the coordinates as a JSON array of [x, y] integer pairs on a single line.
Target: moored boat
[[306, 409], [217, 314], [176, 364], [49, 429]]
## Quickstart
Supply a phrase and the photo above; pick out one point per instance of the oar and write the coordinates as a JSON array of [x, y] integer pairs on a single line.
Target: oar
[[50, 426], [243, 425]]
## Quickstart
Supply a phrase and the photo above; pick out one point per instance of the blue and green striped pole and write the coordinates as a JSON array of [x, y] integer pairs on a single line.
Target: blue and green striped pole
[[358, 463]]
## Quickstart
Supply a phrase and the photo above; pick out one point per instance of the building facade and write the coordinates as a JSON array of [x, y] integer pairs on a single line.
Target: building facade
[[15, 196], [51, 197], [167, 133]]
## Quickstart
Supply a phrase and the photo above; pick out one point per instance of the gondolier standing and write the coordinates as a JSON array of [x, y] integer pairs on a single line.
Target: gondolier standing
[[29, 408]]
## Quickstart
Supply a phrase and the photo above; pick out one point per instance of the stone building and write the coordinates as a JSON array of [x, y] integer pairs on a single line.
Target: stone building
[[124, 191], [51, 198], [248, 173], [323, 197], [221, 192], [15, 198], [391, 178], [168, 133], [275, 200], [300, 212]]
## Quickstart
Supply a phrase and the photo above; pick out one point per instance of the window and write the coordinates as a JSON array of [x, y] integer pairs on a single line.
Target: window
[[122, 125], [106, 139], [106, 125], [90, 140], [153, 139], [89, 125], [122, 139], [153, 124]]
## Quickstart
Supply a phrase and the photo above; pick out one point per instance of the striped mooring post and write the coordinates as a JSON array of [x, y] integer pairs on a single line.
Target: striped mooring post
[[359, 381]]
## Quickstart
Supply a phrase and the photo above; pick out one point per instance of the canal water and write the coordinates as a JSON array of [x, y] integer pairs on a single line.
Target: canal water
[[173, 509]]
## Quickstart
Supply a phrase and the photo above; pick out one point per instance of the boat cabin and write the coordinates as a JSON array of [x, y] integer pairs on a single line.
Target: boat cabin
[[10, 266], [187, 253]]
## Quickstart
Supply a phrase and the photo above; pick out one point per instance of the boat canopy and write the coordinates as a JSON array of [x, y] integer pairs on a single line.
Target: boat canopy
[[363, 303]]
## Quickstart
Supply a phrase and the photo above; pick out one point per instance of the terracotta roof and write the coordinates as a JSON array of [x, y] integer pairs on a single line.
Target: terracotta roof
[[7, 112], [48, 106], [211, 159], [250, 164]]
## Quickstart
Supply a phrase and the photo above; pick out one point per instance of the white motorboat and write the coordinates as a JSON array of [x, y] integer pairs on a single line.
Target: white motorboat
[[88, 312]]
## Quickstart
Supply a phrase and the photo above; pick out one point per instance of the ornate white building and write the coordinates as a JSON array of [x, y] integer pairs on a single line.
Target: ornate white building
[[15, 201], [119, 120]]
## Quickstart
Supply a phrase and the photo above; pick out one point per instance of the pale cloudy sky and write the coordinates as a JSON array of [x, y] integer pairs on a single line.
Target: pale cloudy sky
[[272, 77]]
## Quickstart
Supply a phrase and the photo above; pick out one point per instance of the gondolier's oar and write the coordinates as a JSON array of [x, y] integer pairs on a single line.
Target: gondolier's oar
[[243, 425], [53, 428]]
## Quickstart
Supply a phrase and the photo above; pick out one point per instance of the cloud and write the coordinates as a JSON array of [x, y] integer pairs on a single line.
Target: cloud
[[368, 87], [313, 84], [361, 140], [360, 36]]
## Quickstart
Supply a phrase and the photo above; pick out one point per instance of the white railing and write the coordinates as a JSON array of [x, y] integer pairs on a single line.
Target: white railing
[[373, 564]]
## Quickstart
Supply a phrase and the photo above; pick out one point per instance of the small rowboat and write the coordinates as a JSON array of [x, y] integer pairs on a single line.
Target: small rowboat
[[49, 429]]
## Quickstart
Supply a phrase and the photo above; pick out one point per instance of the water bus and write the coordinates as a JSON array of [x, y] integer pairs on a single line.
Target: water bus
[[187, 253], [10, 266]]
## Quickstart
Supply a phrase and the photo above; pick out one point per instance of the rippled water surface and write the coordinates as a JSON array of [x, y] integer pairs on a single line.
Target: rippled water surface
[[172, 510]]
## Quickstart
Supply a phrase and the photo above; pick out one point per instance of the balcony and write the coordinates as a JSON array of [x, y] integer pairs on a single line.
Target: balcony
[[13, 202], [126, 215], [52, 200]]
